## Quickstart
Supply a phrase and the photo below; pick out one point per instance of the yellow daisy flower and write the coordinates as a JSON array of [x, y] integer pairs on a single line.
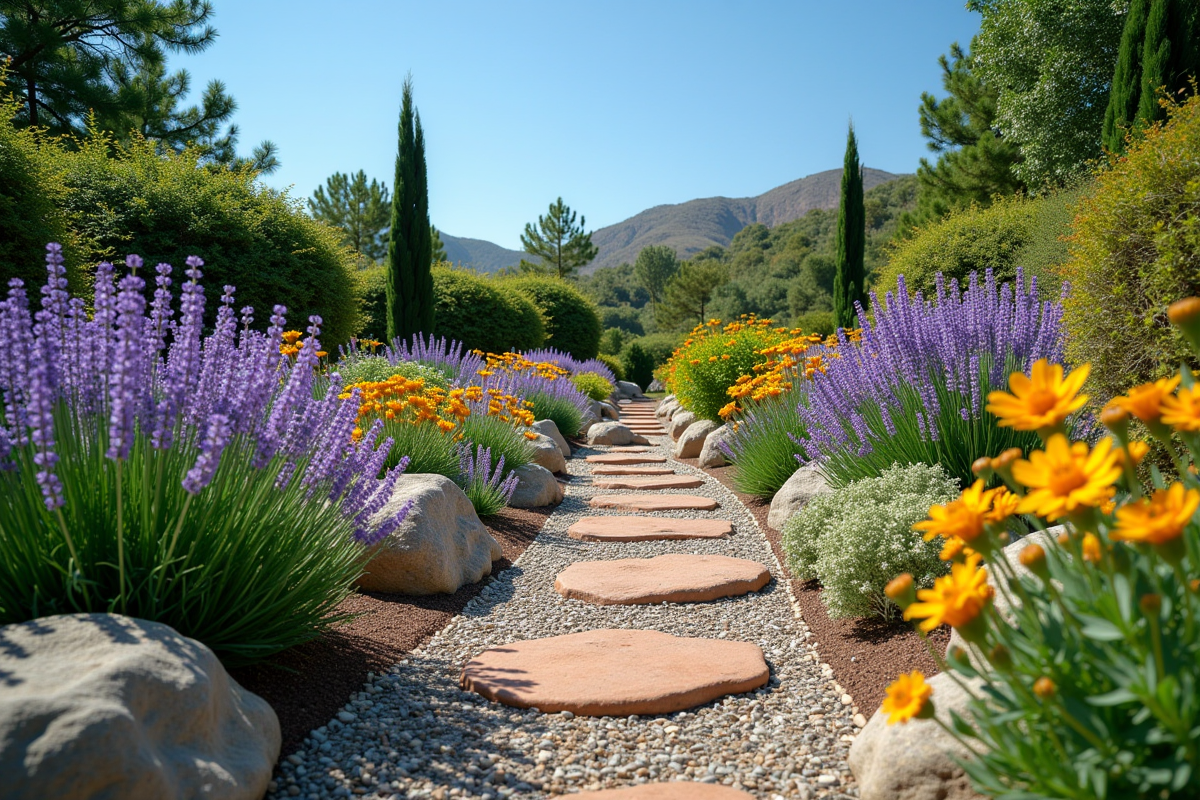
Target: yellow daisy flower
[[1158, 519], [1146, 401], [962, 518], [1041, 400], [1066, 477], [956, 599], [1182, 411], [906, 698]]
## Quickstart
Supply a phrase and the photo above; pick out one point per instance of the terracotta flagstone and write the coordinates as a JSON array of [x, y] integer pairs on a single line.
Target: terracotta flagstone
[[627, 458], [672, 790], [615, 672], [633, 470], [648, 482], [631, 448], [644, 529], [673, 578], [654, 502]]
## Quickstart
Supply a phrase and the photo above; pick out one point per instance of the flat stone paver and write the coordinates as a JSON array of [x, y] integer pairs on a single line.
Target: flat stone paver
[[614, 672], [648, 482], [632, 470], [673, 790], [654, 502], [631, 448], [627, 457], [645, 529], [671, 578]]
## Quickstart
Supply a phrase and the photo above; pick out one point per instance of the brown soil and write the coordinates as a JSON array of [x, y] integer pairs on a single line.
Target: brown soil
[[307, 685], [866, 655]]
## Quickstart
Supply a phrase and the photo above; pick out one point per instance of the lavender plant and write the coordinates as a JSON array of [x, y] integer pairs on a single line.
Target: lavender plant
[[913, 391], [557, 399], [489, 490], [766, 443], [154, 471]]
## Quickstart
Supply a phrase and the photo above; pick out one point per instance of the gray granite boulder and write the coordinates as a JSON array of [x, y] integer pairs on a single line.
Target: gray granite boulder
[[628, 390], [440, 546], [547, 454], [679, 423], [915, 760], [536, 487], [691, 441], [546, 427], [609, 411], [711, 455], [108, 706], [613, 433], [656, 386], [805, 484], [667, 407]]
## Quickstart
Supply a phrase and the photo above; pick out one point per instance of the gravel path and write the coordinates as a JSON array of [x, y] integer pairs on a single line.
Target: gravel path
[[412, 733]]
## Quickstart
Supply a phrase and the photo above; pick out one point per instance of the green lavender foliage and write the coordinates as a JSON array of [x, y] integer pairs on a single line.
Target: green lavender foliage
[[849, 278], [762, 445], [410, 300]]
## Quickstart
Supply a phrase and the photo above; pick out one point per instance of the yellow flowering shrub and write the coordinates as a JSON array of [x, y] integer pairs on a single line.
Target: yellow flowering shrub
[[1091, 671]]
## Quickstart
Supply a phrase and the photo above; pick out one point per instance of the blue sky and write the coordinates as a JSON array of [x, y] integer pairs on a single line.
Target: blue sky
[[615, 106]]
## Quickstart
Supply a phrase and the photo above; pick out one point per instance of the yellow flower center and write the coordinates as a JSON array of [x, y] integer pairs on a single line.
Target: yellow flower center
[[1065, 478]]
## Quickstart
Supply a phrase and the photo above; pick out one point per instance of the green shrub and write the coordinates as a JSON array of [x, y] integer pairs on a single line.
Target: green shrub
[[371, 291], [484, 314], [855, 539], [638, 364], [762, 444], [660, 346], [557, 407], [1012, 232], [30, 194], [593, 385], [1136, 249], [500, 437], [166, 207], [613, 362], [572, 320], [378, 368], [821, 322]]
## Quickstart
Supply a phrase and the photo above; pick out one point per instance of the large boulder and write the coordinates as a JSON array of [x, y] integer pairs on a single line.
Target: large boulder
[[547, 427], [691, 442], [805, 484], [609, 411], [107, 706], [711, 455], [915, 760], [546, 453], [613, 433], [628, 389], [666, 408], [656, 386], [440, 546], [589, 419], [680, 421], [536, 487]]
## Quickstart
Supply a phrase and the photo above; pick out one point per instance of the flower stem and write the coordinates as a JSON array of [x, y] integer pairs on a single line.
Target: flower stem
[[120, 539]]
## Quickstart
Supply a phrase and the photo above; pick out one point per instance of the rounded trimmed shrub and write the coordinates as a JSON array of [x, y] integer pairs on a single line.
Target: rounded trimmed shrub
[[134, 199], [593, 385], [572, 320], [371, 290], [614, 363], [484, 314], [1136, 249]]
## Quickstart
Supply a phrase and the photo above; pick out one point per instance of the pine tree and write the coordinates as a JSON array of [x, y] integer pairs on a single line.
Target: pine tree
[[655, 266], [361, 210], [690, 293], [848, 278], [410, 245], [437, 246], [1159, 52], [562, 245]]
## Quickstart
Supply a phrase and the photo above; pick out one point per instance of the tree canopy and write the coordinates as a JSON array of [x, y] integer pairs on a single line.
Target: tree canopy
[[562, 244], [654, 268], [361, 210], [410, 295], [849, 275]]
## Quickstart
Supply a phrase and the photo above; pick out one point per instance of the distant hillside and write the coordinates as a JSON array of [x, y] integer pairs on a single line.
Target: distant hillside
[[692, 226], [478, 254]]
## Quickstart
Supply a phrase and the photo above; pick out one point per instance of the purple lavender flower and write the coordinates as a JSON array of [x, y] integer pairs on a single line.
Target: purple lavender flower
[[128, 375], [215, 440]]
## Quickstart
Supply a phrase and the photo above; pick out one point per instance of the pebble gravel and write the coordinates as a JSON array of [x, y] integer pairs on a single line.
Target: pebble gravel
[[413, 733]]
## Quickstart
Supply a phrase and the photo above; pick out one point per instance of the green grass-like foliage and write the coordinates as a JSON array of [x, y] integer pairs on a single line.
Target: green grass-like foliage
[[565, 415], [593, 385], [572, 320], [245, 567], [855, 539], [503, 438], [484, 314], [429, 450], [764, 452]]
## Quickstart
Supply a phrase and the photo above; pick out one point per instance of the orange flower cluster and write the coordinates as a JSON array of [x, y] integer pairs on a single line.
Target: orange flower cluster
[[400, 399], [515, 362], [292, 344]]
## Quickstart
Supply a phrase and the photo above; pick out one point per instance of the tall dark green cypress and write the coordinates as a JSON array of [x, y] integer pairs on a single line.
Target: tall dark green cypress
[[849, 277], [410, 244], [1127, 79]]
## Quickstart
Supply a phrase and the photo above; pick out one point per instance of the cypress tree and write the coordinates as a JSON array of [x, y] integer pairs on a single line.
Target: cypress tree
[[410, 244], [1127, 79], [848, 278]]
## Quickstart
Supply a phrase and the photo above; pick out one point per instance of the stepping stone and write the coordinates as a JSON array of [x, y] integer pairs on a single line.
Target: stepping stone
[[655, 502], [645, 529], [649, 482], [634, 470], [627, 458], [672, 790], [615, 672], [675, 578], [631, 448]]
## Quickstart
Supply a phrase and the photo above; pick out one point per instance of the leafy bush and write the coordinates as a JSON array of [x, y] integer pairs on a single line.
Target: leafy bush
[[660, 346], [764, 444], [123, 199], [459, 365], [819, 322], [592, 385], [855, 538], [1088, 674], [155, 481], [488, 490], [1136, 248], [614, 365], [365, 369], [371, 291], [482, 314], [1012, 232], [913, 391], [638, 364], [572, 320]]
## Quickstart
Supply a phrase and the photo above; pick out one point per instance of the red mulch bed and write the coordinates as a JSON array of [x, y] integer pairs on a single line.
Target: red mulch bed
[[866, 655], [307, 685]]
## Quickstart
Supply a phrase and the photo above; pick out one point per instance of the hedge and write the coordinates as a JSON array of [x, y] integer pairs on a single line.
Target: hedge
[[572, 320], [484, 314]]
